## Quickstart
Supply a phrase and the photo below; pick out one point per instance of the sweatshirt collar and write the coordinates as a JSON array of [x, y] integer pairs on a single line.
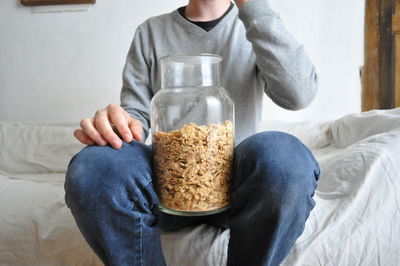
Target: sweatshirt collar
[[198, 31]]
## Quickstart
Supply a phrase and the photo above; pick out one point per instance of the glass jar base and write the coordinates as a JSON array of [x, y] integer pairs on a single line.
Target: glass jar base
[[192, 213]]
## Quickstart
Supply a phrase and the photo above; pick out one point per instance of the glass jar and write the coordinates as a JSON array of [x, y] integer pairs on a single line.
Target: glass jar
[[192, 123]]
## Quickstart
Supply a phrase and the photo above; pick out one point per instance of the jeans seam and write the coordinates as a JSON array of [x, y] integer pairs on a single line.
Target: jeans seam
[[141, 232], [141, 239], [140, 219]]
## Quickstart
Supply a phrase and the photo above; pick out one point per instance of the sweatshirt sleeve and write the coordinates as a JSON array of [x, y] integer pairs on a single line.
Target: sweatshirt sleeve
[[136, 90], [290, 76]]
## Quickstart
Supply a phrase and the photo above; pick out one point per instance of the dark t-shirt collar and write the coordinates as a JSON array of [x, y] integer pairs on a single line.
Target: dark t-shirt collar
[[205, 25]]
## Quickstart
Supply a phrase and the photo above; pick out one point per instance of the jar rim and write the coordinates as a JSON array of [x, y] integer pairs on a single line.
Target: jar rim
[[180, 58]]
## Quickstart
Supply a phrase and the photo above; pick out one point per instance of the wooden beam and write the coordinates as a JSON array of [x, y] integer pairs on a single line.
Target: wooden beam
[[378, 77], [386, 56], [397, 71], [396, 22], [370, 72], [396, 32]]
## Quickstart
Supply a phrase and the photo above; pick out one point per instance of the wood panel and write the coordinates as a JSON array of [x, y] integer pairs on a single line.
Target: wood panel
[[378, 75], [55, 2], [370, 71], [397, 72], [386, 55], [396, 22], [396, 32]]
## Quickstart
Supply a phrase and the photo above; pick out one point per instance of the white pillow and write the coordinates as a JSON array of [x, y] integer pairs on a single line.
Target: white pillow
[[355, 127], [36, 148], [313, 134]]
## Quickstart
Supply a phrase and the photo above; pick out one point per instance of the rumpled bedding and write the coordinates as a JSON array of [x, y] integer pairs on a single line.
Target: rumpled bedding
[[356, 220]]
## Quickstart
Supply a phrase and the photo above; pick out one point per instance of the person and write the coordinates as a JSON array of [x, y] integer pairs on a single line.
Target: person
[[109, 186]]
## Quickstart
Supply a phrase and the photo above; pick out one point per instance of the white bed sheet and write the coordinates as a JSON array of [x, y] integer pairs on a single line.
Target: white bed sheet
[[37, 228], [356, 220]]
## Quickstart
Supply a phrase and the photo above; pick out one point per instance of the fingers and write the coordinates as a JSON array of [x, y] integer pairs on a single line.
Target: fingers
[[90, 131], [103, 126], [100, 129], [118, 118], [137, 130], [135, 127], [82, 137]]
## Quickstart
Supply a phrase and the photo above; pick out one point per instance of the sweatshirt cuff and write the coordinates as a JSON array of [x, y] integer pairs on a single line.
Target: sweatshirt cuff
[[254, 9]]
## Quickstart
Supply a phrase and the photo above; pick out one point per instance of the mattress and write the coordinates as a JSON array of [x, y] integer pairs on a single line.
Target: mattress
[[356, 220]]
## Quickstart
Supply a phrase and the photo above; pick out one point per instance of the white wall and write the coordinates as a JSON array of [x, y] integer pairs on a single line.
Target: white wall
[[333, 34], [63, 66]]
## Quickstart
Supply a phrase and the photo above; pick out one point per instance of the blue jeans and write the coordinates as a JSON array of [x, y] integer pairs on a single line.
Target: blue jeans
[[111, 195]]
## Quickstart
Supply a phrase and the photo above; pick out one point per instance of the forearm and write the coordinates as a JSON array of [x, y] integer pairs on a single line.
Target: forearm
[[135, 96], [287, 70], [136, 93]]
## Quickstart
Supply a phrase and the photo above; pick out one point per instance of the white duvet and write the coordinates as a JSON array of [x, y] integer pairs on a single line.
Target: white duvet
[[356, 220]]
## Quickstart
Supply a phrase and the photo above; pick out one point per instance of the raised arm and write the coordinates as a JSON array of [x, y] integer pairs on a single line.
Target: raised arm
[[287, 70]]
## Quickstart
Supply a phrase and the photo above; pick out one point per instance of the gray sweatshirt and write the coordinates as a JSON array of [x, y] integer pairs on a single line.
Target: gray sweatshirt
[[259, 56]]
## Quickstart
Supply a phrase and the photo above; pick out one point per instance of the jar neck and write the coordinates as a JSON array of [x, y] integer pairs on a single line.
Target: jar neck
[[188, 71]]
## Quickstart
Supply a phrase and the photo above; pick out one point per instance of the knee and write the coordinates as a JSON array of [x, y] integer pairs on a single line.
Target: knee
[[99, 173], [279, 161]]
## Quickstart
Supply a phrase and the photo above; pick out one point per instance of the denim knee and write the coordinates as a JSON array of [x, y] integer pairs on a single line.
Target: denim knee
[[280, 163], [101, 175], [274, 179]]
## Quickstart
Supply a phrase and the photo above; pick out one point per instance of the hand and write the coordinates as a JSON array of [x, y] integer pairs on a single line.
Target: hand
[[100, 129]]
